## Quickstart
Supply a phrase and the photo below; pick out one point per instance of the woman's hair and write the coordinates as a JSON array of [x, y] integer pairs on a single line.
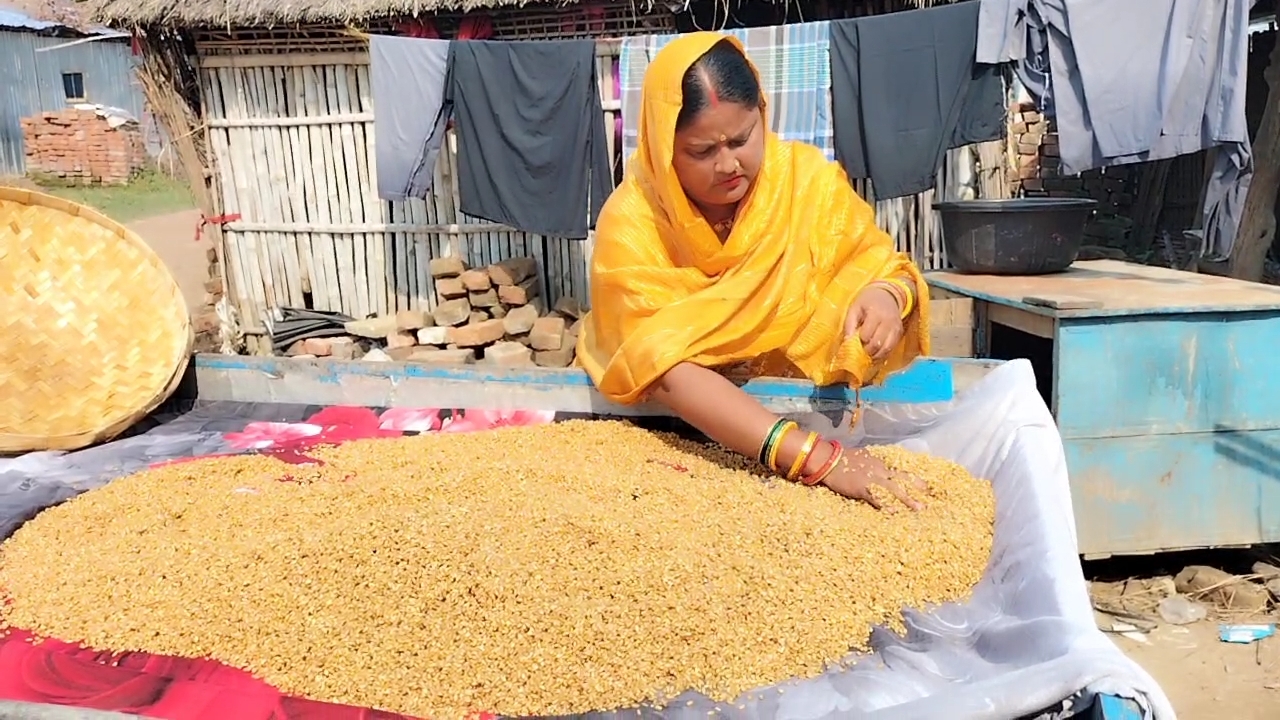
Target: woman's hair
[[727, 73]]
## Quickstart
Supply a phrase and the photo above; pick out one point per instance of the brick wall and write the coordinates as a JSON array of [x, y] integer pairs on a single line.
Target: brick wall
[[1038, 174], [82, 147], [204, 319]]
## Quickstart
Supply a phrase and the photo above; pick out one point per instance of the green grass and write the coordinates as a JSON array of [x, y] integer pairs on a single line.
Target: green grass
[[150, 193]]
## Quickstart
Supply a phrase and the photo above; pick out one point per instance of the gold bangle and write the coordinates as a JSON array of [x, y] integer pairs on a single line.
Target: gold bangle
[[892, 289], [908, 297], [805, 451]]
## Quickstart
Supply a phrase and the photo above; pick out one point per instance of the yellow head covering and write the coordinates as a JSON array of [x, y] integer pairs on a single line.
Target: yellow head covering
[[665, 290]]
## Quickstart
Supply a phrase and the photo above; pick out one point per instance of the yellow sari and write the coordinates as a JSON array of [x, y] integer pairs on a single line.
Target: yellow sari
[[665, 290]]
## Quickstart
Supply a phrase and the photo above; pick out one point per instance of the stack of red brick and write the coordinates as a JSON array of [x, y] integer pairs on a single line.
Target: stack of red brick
[[1038, 157], [204, 320], [82, 147]]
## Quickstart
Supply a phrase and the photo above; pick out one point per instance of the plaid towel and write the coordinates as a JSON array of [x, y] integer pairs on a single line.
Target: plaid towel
[[795, 74]]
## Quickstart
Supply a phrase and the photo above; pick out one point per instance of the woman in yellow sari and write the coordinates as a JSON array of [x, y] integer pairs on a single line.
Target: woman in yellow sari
[[727, 245]]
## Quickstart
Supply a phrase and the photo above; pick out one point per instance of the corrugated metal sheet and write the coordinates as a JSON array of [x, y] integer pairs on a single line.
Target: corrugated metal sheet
[[31, 83], [11, 18]]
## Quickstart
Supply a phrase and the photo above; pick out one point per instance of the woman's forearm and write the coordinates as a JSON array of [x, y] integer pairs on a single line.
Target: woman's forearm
[[725, 413]]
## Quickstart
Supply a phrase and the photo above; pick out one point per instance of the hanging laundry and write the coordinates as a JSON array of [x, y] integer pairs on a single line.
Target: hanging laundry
[[795, 75], [905, 89], [408, 79], [532, 148], [1139, 81]]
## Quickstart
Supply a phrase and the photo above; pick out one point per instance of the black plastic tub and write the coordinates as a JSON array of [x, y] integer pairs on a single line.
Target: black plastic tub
[[1024, 236]]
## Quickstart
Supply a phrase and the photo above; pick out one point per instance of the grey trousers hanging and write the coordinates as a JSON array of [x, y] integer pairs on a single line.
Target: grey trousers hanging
[[1182, 90], [408, 82], [532, 149]]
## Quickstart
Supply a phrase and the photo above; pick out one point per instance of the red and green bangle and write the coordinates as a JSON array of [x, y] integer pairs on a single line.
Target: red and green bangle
[[768, 449]]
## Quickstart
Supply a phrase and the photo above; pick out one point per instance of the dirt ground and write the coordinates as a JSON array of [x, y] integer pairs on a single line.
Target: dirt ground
[[1203, 676], [172, 237], [1207, 678]]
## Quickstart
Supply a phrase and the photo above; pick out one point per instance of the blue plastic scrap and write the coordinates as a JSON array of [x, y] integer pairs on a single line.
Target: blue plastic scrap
[[1245, 634]]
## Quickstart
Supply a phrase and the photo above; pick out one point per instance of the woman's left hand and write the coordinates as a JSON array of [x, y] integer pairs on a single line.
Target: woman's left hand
[[876, 318]]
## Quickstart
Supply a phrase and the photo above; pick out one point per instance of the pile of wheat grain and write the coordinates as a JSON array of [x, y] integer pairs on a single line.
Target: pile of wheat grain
[[547, 570]]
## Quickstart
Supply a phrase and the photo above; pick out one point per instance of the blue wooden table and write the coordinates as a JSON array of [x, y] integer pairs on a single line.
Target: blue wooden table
[[1165, 387]]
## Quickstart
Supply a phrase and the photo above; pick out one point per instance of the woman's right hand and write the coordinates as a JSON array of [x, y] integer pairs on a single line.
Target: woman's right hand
[[858, 471]]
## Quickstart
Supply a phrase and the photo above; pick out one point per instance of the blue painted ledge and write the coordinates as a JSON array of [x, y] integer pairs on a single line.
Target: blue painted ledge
[[248, 378]]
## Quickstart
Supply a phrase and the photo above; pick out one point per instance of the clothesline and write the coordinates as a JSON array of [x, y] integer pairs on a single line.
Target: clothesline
[[605, 47], [513, 171]]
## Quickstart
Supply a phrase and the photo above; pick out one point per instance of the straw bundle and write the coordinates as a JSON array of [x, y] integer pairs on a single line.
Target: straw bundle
[[96, 333]]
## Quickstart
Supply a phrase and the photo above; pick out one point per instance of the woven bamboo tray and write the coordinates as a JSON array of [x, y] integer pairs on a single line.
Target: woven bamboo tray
[[94, 332]]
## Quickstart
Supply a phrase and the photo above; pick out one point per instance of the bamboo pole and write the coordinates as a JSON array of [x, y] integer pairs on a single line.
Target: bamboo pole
[[376, 256], [271, 122], [288, 183], [339, 191], [259, 94], [320, 200], [292, 138], [320, 288], [246, 194], [374, 209], [345, 136], [232, 267]]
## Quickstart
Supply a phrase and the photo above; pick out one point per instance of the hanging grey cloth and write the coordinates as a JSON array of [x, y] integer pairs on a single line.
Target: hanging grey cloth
[[408, 79], [1182, 89], [532, 149], [898, 138]]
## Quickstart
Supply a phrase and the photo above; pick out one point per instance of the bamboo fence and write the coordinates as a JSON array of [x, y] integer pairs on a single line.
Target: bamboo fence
[[291, 137]]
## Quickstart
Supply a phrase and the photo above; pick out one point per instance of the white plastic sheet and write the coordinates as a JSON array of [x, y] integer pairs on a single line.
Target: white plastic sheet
[[1025, 645]]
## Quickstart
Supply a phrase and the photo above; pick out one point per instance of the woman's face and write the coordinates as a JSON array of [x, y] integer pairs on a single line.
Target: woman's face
[[718, 154]]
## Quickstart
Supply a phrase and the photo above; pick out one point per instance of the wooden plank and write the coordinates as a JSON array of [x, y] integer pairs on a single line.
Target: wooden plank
[[954, 341], [948, 312], [1120, 288], [1063, 302], [284, 60], [940, 293], [1031, 323], [378, 227], [951, 327], [340, 118], [1166, 492], [1134, 376]]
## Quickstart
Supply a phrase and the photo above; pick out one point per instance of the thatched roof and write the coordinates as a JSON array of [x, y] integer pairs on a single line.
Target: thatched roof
[[264, 13], [274, 13]]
